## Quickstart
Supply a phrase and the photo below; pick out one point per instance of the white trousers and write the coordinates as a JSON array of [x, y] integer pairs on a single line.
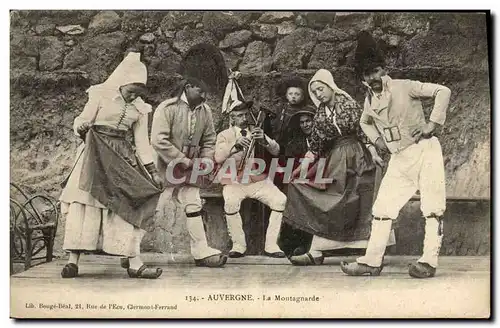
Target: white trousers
[[418, 167], [188, 197], [267, 193], [190, 201]]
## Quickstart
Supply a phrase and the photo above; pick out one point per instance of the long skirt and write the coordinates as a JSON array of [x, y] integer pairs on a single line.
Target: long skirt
[[337, 214], [95, 219]]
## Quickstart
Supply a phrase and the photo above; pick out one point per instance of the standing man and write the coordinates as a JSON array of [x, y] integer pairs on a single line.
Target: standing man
[[231, 145], [183, 130], [394, 121]]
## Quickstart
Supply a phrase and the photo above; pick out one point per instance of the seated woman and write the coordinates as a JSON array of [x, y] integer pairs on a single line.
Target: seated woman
[[337, 213]]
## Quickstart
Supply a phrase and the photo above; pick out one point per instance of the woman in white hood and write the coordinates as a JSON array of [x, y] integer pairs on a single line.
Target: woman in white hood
[[338, 214], [113, 188]]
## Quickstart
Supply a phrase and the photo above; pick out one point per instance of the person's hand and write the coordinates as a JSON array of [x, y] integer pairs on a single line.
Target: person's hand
[[295, 173], [242, 142], [376, 157], [424, 132], [155, 176], [187, 163], [257, 133], [82, 129], [259, 136], [380, 145], [157, 179], [310, 155]]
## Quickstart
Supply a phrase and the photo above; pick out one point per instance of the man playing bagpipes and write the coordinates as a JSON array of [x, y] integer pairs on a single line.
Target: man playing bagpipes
[[243, 175]]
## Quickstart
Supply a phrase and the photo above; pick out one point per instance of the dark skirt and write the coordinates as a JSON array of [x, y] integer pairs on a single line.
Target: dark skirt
[[114, 176], [338, 211]]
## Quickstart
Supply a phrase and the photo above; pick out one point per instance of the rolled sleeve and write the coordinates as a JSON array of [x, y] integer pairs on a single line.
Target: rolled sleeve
[[441, 95]]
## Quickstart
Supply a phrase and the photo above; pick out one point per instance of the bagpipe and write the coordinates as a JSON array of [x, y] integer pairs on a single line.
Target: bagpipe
[[260, 118], [258, 122]]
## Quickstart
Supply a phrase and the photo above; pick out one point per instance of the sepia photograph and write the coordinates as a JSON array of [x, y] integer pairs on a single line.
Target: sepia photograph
[[257, 164]]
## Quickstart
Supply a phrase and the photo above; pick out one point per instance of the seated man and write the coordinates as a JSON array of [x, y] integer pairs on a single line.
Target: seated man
[[230, 146]]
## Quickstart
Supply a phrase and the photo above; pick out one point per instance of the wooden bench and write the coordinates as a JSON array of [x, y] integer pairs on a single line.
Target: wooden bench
[[467, 225]]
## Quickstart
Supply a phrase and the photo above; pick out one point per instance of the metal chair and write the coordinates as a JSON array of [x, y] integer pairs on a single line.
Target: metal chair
[[33, 226]]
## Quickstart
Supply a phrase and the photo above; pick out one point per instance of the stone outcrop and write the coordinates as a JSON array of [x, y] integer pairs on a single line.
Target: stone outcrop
[[105, 22], [98, 55], [185, 39], [236, 39], [257, 58], [293, 51], [51, 53]]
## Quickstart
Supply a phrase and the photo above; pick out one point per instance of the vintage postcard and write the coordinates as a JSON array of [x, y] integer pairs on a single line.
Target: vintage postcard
[[250, 164]]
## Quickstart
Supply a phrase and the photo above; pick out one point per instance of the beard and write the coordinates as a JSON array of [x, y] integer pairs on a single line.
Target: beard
[[376, 85], [242, 125]]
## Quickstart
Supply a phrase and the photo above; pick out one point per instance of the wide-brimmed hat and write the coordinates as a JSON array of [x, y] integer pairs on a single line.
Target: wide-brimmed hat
[[368, 54]]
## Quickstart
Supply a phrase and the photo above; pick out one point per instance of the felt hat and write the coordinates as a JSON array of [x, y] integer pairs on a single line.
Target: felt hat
[[368, 54]]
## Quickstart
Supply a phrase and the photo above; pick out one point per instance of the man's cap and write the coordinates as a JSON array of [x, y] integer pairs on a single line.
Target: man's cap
[[306, 111], [293, 124], [240, 105]]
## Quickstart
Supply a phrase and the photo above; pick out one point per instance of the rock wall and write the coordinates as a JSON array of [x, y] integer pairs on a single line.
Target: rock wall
[[56, 55]]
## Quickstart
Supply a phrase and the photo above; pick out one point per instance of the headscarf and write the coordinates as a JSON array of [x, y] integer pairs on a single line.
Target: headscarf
[[325, 77], [130, 70]]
